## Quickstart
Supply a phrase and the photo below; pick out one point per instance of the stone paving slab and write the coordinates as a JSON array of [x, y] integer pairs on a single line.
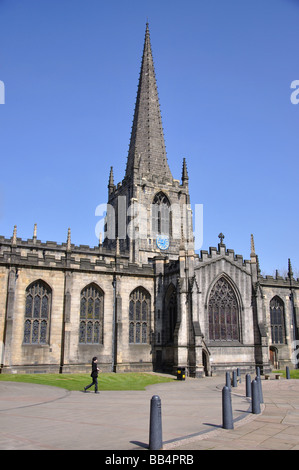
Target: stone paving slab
[[276, 428], [40, 417]]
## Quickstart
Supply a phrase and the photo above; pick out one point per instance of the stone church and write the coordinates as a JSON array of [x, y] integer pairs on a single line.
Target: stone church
[[142, 299]]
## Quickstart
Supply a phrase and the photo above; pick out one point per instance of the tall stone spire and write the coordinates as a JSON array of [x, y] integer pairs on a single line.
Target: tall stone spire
[[147, 153]]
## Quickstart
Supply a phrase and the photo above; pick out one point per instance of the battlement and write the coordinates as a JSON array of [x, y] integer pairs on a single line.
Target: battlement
[[52, 255], [278, 281], [229, 254]]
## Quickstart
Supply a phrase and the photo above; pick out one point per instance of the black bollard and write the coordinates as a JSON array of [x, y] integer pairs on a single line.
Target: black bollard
[[235, 383], [255, 400], [258, 371], [155, 434], [227, 378], [248, 385], [227, 412], [288, 372]]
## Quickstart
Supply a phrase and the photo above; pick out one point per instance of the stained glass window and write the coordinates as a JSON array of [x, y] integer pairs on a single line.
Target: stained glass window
[[43, 332], [89, 332], [277, 320], [83, 308], [144, 311], [91, 315], [82, 332], [139, 310], [131, 332], [27, 332], [36, 308], [44, 308], [97, 308], [131, 310], [144, 332], [35, 329], [37, 313], [96, 332], [29, 302], [223, 312], [137, 332]]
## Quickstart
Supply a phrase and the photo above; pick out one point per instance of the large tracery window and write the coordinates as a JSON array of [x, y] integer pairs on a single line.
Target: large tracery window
[[139, 316], [91, 315], [277, 320], [223, 312], [161, 215], [37, 313]]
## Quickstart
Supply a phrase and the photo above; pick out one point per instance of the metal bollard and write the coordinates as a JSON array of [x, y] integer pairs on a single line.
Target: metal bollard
[[155, 433], [227, 380], [248, 385], [259, 381], [288, 372], [227, 412], [235, 383], [255, 400], [258, 371]]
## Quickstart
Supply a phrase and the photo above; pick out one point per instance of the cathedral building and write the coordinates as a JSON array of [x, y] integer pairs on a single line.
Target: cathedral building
[[142, 299]]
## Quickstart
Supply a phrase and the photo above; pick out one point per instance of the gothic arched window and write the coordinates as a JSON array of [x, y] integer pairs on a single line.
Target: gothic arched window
[[223, 312], [277, 320], [37, 313], [139, 316], [161, 215], [91, 315]]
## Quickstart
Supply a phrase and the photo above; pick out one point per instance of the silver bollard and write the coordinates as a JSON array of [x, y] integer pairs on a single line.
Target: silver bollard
[[259, 381], [227, 412], [235, 383], [227, 380], [248, 385], [255, 399], [155, 433]]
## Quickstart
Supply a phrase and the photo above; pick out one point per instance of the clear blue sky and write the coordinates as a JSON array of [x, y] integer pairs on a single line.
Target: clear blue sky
[[224, 70]]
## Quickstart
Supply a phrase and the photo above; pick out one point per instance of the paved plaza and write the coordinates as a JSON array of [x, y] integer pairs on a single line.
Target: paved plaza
[[40, 417]]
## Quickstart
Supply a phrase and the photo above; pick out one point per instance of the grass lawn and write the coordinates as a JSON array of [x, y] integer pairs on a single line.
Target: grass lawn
[[294, 373], [107, 381]]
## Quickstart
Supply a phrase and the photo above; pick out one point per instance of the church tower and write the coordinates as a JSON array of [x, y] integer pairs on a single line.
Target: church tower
[[149, 211]]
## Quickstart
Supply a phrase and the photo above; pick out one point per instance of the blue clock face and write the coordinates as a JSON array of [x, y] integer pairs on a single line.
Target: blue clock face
[[162, 242]]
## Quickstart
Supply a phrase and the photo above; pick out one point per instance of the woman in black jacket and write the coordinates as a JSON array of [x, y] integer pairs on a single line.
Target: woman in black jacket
[[94, 375]]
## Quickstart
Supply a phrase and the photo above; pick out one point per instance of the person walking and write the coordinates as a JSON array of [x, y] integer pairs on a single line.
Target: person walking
[[94, 374]]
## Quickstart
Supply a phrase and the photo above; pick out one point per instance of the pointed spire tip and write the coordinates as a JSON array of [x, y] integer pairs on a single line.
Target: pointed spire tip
[[252, 245], [185, 176]]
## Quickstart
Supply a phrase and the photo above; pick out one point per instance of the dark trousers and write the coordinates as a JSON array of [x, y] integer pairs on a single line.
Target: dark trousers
[[94, 382]]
